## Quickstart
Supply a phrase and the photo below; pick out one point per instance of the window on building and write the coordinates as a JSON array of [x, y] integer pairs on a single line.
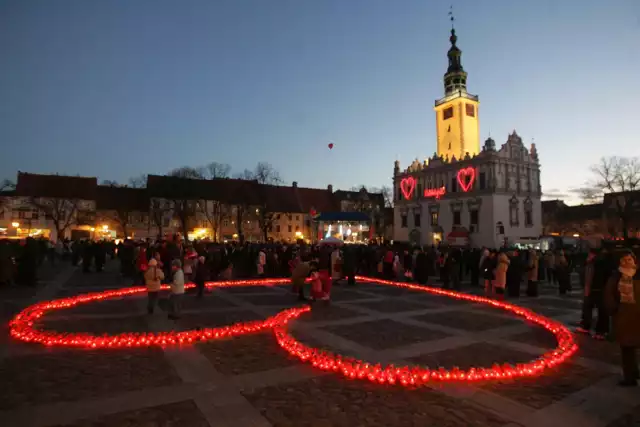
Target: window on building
[[297, 228], [528, 218], [447, 113], [297, 217], [457, 218], [165, 222], [289, 227], [474, 217], [482, 180], [34, 214], [416, 220], [513, 215], [403, 220], [278, 228], [22, 214], [308, 223], [434, 218], [454, 184], [471, 110], [290, 217]]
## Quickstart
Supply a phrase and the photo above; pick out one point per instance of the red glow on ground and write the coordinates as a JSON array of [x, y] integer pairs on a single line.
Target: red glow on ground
[[22, 327]]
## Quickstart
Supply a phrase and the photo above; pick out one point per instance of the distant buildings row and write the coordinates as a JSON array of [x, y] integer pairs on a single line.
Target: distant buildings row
[[617, 215], [218, 209]]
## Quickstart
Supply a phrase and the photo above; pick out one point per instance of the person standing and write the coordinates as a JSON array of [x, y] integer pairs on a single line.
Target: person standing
[[201, 276], [177, 290], [501, 275], [261, 262], [153, 279], [487, 268], [562, 273], [299, 274], [514, 274], [622, 300], [532, 282], [549, 261], [596, 272]]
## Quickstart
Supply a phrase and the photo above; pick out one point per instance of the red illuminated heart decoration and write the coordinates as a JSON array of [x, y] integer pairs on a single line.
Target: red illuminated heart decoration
[[407, 185], [330, 146], [465, 173]]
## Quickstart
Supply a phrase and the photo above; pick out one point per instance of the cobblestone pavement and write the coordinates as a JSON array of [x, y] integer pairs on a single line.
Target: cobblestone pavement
[[250, 381]]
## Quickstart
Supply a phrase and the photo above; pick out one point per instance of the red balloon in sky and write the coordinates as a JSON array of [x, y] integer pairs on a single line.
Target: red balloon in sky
[[330, 146]]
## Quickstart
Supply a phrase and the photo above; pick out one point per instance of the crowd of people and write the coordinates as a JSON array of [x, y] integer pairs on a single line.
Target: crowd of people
[[609, 280]]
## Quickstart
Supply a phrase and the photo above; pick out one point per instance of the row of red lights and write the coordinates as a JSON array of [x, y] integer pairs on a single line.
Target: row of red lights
[[23, 327], [416, 375]]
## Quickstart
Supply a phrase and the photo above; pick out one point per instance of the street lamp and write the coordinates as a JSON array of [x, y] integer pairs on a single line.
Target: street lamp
[[15, 224]]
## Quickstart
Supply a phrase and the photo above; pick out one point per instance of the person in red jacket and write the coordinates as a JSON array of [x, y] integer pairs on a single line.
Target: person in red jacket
[[142, 264]]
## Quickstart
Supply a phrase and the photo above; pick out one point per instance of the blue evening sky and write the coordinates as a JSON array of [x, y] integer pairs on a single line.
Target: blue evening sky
[[116, 88]]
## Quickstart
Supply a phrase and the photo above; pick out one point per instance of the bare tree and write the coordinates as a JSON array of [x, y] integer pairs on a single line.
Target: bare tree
[[247, 175], [214, 211], [188, 172], [218, 170], [185, 208], [588, 195], [265, 175], [619, 176], [138, 181], [388, 196], [63, 212], [7, 185], [121, 215], [110, 183], [157, 211]]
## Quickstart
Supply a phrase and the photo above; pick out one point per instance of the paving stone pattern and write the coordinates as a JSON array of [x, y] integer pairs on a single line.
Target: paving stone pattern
[[251, 381]]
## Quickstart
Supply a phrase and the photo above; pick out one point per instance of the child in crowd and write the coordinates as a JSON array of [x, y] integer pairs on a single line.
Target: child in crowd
[[299, 275], [153, 278], [177, 290]]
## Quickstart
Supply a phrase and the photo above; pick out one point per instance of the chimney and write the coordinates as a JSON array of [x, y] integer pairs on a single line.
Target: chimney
[[330, 188], [295, 184]]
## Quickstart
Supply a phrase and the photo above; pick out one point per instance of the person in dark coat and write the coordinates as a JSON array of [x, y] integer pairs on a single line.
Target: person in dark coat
[[562, 272], [514, 274], [201, 276], [487, 268], [422, 268], [622, 299], [598, 269], [100, 255], [87, 256], [28, 263], [349, 265]]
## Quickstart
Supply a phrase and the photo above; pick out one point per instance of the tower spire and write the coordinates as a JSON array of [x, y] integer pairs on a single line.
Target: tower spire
[[455, 79], [451, 17]]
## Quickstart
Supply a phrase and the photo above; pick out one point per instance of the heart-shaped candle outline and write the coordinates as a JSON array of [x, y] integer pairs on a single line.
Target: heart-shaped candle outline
[[407, 185], [462, 173]]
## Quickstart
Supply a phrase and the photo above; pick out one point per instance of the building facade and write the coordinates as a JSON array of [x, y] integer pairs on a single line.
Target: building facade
[[465, 194], [220, 210]]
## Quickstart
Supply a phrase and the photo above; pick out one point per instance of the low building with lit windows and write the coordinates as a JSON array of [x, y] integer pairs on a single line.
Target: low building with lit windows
[[51, 206], [466, 194]]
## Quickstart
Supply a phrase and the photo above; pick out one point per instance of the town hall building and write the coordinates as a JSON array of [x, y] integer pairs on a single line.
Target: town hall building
[[467, 194]]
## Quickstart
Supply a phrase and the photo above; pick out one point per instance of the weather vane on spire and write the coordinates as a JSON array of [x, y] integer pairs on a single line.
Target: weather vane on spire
[[451, 17]]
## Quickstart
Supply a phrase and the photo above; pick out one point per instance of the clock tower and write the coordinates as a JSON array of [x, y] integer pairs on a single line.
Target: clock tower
[[457, 121]]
